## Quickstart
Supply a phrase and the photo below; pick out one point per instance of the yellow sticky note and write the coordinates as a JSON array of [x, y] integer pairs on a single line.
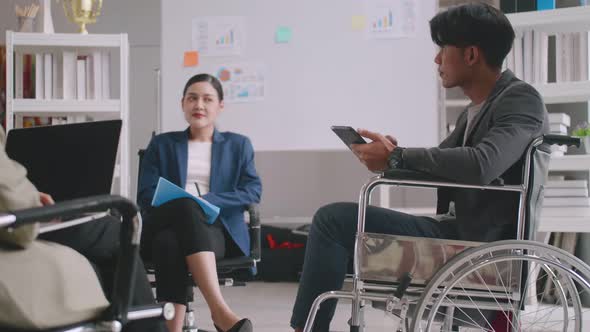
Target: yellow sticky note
[[191, 58], [358, 22]]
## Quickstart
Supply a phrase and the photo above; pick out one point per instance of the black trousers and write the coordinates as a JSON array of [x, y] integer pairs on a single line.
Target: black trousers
[[98, 241], [173, 231]]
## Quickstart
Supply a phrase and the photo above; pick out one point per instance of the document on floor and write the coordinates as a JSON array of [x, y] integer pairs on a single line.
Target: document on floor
[[167, 191]]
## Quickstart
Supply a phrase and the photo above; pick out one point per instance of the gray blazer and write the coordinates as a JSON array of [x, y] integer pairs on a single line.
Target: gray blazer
[[512, 116]]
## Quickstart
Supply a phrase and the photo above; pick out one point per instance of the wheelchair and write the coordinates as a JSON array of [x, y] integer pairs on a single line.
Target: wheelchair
[[448, 285], [120, 311]]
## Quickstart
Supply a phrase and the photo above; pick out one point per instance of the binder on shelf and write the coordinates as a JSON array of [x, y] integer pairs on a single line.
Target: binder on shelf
[[48, 75], [97, 74], [81, 77], [39, 81], [69, 75], [57, 85], [106, 74]]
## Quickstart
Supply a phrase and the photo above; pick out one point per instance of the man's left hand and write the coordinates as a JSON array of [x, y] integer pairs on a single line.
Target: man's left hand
[[374, 154]]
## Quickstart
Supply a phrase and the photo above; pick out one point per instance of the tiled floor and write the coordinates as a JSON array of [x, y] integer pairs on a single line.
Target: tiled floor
[[269, 307]]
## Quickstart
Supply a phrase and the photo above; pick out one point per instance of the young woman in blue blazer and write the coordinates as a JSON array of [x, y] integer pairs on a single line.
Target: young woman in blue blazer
[[219, 167]]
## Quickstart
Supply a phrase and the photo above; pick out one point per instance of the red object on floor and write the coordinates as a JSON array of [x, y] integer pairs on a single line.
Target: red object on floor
[[502, 322], [272, 243]]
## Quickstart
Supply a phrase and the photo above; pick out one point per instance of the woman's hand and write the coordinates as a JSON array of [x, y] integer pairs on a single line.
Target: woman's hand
[[46, 199]]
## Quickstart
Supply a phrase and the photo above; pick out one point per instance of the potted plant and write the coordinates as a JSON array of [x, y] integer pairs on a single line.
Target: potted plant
[[583, 132]]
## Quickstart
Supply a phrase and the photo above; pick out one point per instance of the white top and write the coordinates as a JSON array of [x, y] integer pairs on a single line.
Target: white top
[[198, 167]]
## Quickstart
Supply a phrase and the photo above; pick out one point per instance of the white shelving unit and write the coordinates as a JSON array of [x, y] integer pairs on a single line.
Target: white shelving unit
[[32, 43]]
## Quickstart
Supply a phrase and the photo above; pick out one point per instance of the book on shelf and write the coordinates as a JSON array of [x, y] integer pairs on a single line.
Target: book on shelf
[[558, 129], [558, 150], [560, 118], [562, 183], [565, 212], [566, 192], [566, 201]]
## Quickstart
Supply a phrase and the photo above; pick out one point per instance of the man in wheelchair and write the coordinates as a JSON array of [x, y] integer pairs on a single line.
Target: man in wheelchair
[[489, 140], [97, 241]]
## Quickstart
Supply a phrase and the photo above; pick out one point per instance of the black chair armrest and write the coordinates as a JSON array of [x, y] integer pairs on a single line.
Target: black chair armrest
[[255, 232]]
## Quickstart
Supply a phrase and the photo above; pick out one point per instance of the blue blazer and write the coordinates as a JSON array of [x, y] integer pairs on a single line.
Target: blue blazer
[[233, 184]]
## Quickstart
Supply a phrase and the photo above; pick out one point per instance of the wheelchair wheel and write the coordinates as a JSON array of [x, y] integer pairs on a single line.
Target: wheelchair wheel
[[504, 286]]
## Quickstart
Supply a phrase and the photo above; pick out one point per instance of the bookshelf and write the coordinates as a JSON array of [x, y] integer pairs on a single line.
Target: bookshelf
[[97, 107]]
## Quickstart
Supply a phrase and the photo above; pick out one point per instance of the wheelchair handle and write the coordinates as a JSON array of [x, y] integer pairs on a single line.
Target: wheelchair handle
[[562, 140], [74, 207]]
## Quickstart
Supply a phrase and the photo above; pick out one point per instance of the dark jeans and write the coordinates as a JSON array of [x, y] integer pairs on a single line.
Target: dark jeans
[[331, 244], [173, 231], [98, 241]]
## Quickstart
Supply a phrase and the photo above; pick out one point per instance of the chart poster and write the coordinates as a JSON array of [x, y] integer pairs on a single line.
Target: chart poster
[[242, 83], [391, 18], [218, 35]]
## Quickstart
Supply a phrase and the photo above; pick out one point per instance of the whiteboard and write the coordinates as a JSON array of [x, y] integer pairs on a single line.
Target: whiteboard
[[328, 73]]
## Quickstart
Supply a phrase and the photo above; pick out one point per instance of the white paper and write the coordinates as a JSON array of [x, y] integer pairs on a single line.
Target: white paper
[[391, 18], [218, 35], [242, 83]]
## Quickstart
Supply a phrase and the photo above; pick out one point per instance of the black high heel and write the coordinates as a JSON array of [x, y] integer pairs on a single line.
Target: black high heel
[[243, 325]]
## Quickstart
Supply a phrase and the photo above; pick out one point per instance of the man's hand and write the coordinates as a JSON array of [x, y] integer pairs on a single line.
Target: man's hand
[[374, 154], [46, 199]]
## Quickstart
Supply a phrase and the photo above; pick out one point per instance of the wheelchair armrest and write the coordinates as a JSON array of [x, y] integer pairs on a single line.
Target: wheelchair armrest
[[255, 232], [411, 175], [129, 239], [70, 208], [406, 174], [562, 140]]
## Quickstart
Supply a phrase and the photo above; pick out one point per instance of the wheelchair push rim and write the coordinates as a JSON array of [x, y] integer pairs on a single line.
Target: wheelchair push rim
[[479, 310]]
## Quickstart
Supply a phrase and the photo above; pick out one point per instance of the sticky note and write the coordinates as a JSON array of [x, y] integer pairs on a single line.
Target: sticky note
[[358, 22], [283, 35], [191, 58]]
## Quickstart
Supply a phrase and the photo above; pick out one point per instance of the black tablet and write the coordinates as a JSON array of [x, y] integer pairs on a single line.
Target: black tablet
[[348, 135]]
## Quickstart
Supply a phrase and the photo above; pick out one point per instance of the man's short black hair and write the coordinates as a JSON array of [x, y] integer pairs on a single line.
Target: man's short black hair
[[475, 24]]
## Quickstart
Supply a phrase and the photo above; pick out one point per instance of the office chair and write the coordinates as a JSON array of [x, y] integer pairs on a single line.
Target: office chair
[[119, 312], [225, 266]]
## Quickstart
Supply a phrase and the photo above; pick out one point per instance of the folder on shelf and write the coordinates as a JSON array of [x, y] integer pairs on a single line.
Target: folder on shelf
[[167, 191]]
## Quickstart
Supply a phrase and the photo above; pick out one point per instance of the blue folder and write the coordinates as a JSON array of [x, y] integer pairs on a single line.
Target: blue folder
[[167, 191]]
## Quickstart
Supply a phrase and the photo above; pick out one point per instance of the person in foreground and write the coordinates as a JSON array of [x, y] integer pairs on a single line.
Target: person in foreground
[[489, 139], [219, 167], [97, 240]]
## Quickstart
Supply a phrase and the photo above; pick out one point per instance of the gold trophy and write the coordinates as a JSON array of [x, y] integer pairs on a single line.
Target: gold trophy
[[82, 12]]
